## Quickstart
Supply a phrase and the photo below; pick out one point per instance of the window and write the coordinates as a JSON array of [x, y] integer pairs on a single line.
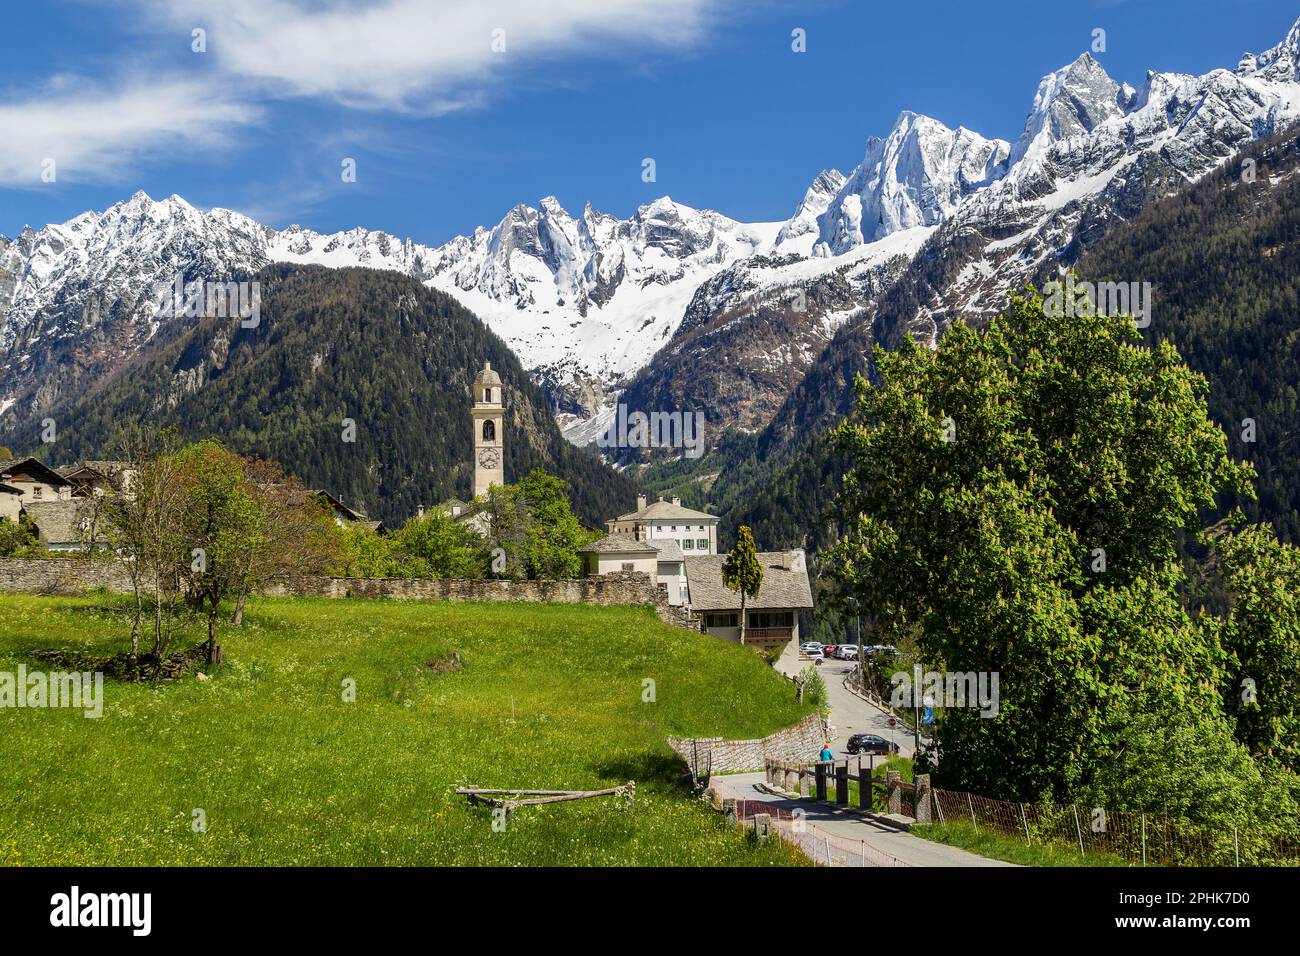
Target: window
[[489, 430], [688, 545], [36, 491], [703, 544], [771, 619], [627, 565], [728, 619]]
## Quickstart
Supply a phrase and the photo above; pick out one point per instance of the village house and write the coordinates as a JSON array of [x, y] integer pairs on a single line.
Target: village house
[[771, 616], [694, 532], [678, 547], [614, 553], [344, 516], [56, 500], [100, 477], [35, 481]]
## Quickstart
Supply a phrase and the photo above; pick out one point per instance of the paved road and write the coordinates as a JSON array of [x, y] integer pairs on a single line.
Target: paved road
[[909, 849], [850, 714]]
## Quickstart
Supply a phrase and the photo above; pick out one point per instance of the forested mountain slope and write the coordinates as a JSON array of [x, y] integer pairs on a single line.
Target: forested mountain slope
[[1224, 260], [372, 346]]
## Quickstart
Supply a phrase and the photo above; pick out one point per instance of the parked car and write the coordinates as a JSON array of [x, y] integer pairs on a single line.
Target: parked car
[[809, 646], [815, 656], [847, 652], [829, 649], [870, 744]]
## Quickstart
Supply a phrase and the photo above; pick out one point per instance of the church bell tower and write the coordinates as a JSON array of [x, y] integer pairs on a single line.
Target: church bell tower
[[489, 432]]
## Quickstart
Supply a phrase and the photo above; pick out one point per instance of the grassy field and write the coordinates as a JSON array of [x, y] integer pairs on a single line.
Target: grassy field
[[1000, 846], [287, 772]]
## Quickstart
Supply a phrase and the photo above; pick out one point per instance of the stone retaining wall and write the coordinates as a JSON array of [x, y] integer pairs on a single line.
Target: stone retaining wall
[[62, 576], [801, 743], [72, 576]]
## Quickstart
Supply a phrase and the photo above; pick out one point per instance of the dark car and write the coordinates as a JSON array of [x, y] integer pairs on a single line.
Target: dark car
[[870, 744]]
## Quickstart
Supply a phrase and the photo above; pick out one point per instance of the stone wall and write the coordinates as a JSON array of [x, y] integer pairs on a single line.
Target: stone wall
[[61, 576], [621, 588], [800, 743], [76, 576]]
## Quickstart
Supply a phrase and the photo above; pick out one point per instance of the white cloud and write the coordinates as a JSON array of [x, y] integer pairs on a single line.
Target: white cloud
[[420, 55], [96, 133]]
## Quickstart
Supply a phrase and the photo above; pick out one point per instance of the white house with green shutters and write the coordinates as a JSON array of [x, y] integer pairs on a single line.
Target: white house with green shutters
[[694, 532]]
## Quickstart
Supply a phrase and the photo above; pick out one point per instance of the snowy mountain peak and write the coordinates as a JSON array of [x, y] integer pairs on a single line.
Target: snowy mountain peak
[[1072, 100], [800, 231], [588, 301], [1281, 62], [915, 176]]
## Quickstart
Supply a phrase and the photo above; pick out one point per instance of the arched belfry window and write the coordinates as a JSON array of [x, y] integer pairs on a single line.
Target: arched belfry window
[[489, 430], [487, 394]]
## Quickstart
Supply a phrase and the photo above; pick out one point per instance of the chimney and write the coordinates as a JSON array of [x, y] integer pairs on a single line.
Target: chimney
[[676, 500], [796, 560], [640, 502]]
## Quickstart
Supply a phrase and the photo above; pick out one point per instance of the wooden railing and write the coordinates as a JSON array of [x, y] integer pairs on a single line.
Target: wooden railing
[[768, 633]]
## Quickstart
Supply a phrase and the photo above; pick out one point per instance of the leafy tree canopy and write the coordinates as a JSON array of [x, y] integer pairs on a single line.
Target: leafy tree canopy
[[1017, 495]]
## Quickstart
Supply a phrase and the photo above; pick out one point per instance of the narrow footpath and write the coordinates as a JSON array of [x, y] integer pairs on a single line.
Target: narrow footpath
[[843, 833]]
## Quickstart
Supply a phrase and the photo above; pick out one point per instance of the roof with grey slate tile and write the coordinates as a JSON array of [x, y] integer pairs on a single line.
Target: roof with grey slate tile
[[781, 588], [618, 544]]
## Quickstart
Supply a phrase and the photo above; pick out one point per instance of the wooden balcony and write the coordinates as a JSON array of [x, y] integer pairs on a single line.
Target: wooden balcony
[[768, 635]]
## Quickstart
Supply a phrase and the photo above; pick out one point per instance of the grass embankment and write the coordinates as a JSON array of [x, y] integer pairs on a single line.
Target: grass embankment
[[1001, 846], [286, 772]]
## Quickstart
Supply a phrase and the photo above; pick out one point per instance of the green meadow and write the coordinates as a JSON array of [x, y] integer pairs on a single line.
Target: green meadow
[[281, 769]]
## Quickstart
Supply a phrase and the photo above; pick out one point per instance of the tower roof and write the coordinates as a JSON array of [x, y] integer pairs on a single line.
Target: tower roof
[[487, 376]]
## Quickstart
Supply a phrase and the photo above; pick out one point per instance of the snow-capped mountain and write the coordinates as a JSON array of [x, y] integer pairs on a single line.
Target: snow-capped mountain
[[1092, 154], [595, 306], [915, 176], [587, 301]]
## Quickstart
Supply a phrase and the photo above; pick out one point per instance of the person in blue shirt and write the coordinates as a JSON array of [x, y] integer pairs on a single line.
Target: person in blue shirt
[[827, 753]]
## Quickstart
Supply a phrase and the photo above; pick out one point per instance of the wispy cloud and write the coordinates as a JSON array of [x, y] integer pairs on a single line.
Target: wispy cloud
[[93, 132], [424, 57], [420, 55]]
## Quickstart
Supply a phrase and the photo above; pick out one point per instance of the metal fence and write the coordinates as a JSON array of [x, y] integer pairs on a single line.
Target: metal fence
[[1143, 839]]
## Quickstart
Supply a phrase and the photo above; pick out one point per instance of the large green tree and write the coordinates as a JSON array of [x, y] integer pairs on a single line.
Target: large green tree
[[534, 525], [1261, 633], [1016, 496], [435, 546]]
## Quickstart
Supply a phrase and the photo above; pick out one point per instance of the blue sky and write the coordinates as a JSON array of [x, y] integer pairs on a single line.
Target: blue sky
[[448, 133]]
